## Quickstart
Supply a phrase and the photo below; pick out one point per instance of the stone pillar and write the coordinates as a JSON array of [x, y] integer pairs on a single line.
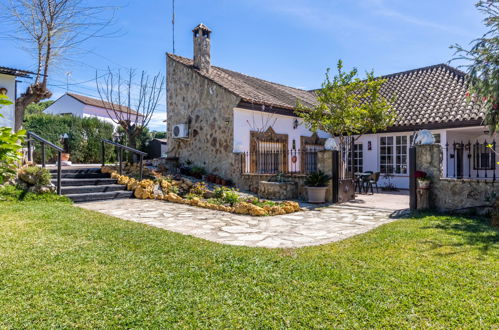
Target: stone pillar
[[429, 160], [325, 164], [495, 214]]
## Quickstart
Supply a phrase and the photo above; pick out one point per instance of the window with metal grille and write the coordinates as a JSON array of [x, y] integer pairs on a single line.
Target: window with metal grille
[[269, 157], [310, 157], [483, 157]]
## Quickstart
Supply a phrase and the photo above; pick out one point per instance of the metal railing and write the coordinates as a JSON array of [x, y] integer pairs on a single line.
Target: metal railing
[[278, 161], [120, 149], [30, 138], [472, 160]]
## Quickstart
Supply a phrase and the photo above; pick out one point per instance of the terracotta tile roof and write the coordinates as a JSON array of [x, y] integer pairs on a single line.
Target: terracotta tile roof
[[433, 94], [100, 104], [253, 90], [430, 95]]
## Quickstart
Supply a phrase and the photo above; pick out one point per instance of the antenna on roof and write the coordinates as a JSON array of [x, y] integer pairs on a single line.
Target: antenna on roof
[[173, 25], [68, 74]]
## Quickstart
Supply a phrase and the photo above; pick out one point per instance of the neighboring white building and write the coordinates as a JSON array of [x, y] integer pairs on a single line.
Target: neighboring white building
[[84, 106], [8, 87]]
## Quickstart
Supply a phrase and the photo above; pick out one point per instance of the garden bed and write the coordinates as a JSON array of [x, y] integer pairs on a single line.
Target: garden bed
[[181, 190]]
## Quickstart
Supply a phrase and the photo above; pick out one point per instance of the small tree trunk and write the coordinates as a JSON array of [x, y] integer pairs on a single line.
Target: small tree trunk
[[132, 143], [34, 93]]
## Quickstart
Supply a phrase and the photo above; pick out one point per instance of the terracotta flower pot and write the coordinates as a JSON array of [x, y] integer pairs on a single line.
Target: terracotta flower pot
[[316, 194], [65, 156]]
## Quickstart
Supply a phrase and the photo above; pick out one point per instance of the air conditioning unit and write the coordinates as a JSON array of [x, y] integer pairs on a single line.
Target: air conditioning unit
[[180, 131]]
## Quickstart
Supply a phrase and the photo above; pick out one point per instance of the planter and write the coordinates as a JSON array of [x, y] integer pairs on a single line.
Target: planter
[[277, 190], [316, 194], [424, 184]]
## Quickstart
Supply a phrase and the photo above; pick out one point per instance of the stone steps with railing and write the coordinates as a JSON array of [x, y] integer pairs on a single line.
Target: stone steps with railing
[[89, 184]]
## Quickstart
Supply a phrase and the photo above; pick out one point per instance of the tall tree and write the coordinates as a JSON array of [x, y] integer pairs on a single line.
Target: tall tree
[[50, 30], [483, 64], [130, 103], [348, 106]]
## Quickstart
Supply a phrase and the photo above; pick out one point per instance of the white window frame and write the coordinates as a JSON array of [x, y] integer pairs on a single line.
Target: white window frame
[[399, 163]]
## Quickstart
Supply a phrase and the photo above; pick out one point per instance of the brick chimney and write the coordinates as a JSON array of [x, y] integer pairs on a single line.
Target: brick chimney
[[202, 58]]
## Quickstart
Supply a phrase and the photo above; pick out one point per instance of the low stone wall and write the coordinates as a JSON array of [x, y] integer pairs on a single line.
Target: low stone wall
[[278, 190], [251, 182], [453, 194]]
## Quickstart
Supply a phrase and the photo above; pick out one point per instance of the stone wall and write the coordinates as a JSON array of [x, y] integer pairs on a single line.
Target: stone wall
[[278, 190], [207, 108], [325, 164], [251, 182], [452, 194], [346, 189]]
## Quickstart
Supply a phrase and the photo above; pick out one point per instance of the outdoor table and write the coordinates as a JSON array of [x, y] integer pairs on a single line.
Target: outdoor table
[[362, 178]]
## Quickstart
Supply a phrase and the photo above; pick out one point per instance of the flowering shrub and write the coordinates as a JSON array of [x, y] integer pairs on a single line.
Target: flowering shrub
[[420, 175]]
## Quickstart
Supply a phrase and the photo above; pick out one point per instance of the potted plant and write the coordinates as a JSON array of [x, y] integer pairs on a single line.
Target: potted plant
[[65, 143], [316, 184], [423, 181]]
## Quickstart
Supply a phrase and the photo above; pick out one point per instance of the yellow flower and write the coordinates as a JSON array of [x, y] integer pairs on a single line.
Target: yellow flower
[[489, 146]]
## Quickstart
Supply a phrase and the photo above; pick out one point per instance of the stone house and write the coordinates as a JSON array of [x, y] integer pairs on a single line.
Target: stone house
[[237, 124]]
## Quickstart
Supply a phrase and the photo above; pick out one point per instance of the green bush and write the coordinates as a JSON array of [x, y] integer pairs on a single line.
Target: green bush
[[317, 179], [9, 147], [226, 195], [85, 136], [13, 194], [35, 175]]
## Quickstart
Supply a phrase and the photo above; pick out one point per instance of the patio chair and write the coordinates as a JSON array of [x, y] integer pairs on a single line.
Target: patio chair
[[373, 181]]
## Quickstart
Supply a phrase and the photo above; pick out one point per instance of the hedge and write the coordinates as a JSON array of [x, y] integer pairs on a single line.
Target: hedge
[[85, 136]]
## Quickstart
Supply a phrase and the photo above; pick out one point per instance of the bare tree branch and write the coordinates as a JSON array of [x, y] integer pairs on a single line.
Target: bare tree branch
[[50, 30], [117, 96]]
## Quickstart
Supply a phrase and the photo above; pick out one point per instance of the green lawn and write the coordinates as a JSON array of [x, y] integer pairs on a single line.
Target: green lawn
[[61, 266]]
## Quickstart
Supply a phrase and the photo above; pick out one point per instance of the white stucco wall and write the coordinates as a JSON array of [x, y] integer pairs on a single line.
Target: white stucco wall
[[69, 105], [246, 121], [65, 105], [371, 158], [8, 82], [468, 135]]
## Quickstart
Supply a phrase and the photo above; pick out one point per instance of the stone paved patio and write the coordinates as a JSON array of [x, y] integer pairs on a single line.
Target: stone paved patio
[[314, 227]]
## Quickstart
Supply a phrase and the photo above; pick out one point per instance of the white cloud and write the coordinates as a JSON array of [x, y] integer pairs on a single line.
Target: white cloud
[[156, 123]]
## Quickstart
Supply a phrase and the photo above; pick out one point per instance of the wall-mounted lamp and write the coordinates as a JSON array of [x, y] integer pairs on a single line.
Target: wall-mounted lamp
[[295, 123], [369, 146]]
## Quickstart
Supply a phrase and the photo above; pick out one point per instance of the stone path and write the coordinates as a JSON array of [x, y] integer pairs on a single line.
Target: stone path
[[314, 227]]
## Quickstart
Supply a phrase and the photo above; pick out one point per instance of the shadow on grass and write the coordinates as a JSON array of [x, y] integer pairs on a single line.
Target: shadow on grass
[[475, 231]]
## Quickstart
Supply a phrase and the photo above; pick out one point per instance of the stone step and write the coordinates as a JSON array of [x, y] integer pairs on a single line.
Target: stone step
[[81, 198], [85, 182], [92, 189], [79, 170], [78, 175]]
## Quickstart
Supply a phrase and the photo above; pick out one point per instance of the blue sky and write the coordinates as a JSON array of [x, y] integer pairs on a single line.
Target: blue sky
[[287, 41]]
